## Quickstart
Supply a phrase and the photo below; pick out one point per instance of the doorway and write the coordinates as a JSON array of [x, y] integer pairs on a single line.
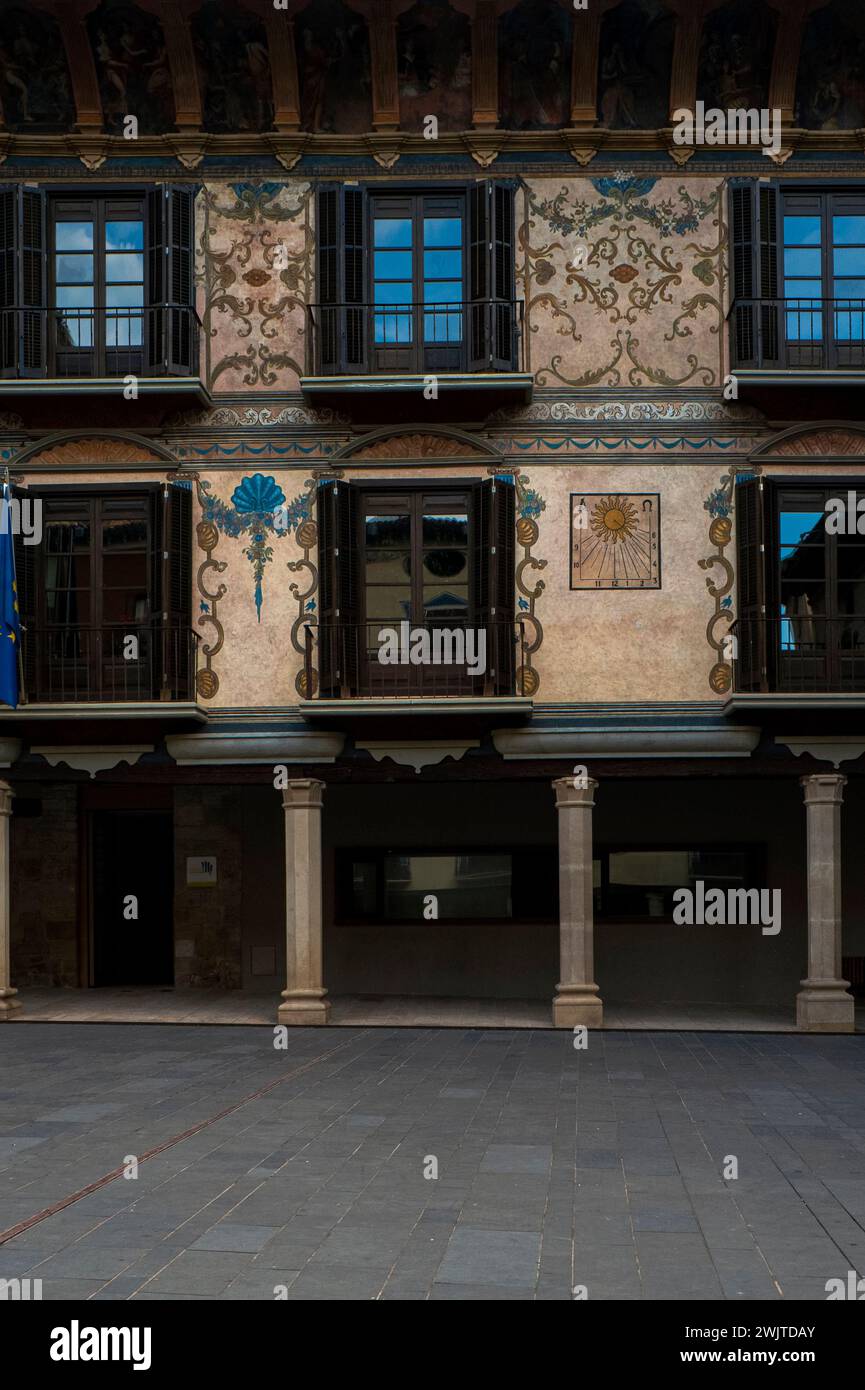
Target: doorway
[[132, 898]]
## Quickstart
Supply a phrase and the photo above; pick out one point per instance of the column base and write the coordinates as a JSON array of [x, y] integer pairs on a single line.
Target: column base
[[304, 1008], [577, 1005], [10, 1006], [825, 1006]]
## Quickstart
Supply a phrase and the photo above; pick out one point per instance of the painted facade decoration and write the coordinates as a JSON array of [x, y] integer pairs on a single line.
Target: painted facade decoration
[[719, 505], [535, 46], [830, 86], [603, 257], [615, 541], [736, 55], [634, 65], [233, 65], [334, 68], [35, 83], [258, 511], [256, 265], [434, 66], [132, 66], [530, 505]]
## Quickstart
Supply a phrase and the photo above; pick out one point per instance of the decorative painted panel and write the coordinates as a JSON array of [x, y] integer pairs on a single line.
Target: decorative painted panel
[[35, 83]]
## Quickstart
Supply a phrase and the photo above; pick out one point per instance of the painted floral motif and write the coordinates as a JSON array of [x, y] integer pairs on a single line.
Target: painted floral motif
[[258, 510], [599, 256]]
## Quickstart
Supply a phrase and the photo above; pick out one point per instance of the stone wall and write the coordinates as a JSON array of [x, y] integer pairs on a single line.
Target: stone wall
[[207, 921], [44, 887]]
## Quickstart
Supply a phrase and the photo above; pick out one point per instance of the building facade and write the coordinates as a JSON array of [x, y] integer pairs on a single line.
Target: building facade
[[435, 501]]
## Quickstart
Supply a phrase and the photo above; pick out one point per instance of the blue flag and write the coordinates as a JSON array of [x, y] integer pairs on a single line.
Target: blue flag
[[10, 623]]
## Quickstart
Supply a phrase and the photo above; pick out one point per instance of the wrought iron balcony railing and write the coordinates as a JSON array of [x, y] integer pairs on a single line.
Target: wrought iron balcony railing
[[450, 336], [345, 660], [113, 664], [797, 334], [799, 655], [153, 340]]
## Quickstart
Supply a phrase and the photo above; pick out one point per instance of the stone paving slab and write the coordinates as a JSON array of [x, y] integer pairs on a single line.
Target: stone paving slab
[[424, 1164]]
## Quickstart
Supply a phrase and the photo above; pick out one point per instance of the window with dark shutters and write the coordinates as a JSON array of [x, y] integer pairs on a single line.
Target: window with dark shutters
[[339, 635], [25, 585], [493, 559], [172, 337], [23, 301], [757, 310], [172, 581]]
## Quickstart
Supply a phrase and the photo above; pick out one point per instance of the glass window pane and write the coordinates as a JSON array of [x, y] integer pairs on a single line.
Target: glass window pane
[[73, 236], [445, 564], [446, 602], [392, 231], [442, 292], [803, 289], [385, 532], [393, 328], [849, 289], [446, 528], [848, 231], [124, 236], [802, 261], [364, 897], [851, 559], [393, 292], [74, 296], [393, 265], [61, 537], [124, 267], [443, 326], [444, 265], [131, 534], [442, 231], [466, 886], [801, 526], [120, 570], [73, 270], [125, 296], [849, 262], [387, 604], [388, 566], [802, 231]]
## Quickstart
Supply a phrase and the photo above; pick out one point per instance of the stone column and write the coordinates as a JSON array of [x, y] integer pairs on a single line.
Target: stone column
[[823, 1004], [576, 1000], [9, 1004], [303, 1001]]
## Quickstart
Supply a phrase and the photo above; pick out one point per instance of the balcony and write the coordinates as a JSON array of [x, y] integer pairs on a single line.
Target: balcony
[[91, 351], [117, 665], [381, 357], [344, 670], [801, 665], [798, 342]]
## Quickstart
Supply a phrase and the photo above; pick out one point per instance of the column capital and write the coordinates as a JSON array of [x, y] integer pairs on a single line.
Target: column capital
[[823, 788], [302, 794], [567, 794]]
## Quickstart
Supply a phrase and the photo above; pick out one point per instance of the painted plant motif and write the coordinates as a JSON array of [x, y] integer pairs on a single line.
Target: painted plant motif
[[830, 86], [530, 504], [35, 84], [719, 505], [258, 509], [233, 67], [535, 45], [434, 66], [256, 250], [635, 64], [334, 69], [132, 65], [736, 55], [644, 243]]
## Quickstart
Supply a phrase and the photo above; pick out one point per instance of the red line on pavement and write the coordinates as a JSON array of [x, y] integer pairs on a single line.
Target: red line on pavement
[[160, 1148]]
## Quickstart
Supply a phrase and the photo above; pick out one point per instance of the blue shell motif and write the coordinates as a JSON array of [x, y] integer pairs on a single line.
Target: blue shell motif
[[258, 494]]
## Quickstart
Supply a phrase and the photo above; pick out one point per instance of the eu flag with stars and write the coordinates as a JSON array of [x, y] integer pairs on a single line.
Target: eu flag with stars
[[10, 624]]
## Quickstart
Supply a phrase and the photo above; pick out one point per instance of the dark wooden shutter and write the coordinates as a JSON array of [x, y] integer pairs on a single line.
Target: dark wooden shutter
[[326, 326], [492, 321], [493, 560], [8, 281], [23, 289], [479, 276], [26, 585], [752, 630], [341, 643], [172, 329], [354, 279], [768, 236], [172, 665], [743, 217]]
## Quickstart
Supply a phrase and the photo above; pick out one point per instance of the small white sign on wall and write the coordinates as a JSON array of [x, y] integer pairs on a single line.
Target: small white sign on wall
[[201, 873]]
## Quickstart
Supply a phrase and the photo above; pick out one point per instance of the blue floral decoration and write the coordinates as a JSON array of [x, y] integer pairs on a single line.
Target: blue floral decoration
[[258, 508], [718, 503]]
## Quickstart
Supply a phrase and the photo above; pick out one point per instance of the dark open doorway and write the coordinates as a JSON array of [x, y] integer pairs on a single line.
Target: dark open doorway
[[132, 857]]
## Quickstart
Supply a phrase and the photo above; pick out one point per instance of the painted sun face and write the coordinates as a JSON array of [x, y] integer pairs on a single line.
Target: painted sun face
[[614, 519]]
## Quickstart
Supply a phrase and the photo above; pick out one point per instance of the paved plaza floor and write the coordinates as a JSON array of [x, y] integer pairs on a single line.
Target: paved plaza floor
[[413, 1164]]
